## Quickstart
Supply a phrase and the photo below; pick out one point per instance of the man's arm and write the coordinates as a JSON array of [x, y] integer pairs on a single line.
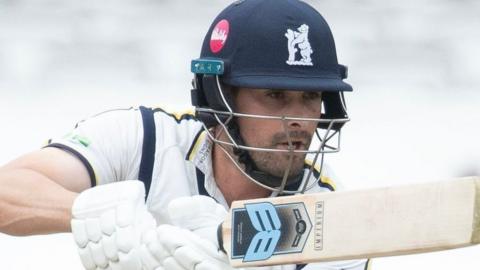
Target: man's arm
[[37, 192]]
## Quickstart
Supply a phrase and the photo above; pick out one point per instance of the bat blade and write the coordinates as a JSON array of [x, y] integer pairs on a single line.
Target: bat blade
[[353, 224]]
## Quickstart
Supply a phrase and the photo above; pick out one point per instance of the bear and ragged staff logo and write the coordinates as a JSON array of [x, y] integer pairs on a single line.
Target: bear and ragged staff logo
[[298, 42]]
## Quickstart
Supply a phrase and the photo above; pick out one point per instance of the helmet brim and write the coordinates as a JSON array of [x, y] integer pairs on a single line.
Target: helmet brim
[[288, 83]]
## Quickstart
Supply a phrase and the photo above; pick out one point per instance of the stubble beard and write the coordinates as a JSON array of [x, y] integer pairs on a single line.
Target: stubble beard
[[277, 163]]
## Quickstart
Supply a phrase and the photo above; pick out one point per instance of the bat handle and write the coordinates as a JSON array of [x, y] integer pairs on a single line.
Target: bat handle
[[220, 238]]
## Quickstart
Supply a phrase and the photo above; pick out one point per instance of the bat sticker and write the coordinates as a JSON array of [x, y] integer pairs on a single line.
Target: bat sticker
[[263, 230]]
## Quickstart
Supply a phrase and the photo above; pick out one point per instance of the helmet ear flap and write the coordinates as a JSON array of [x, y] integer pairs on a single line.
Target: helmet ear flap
[[206, 94], [334, 108], [334, 104], [213, 95], [197, 94]]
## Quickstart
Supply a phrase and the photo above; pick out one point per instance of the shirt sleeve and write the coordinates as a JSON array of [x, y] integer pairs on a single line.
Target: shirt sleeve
[[108, 144]]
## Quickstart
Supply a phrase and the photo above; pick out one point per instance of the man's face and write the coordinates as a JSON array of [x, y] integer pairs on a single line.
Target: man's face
[[265, 133]]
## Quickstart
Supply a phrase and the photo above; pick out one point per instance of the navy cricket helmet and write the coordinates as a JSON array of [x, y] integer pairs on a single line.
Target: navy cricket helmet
[[269, 44]]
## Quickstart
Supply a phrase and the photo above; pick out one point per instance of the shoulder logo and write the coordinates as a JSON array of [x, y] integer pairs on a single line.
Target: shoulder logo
[[219, 36], [298, 42], [77, 139]]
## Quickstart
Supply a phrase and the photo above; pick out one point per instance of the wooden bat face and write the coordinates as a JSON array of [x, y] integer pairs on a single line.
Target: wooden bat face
[[354, 224]]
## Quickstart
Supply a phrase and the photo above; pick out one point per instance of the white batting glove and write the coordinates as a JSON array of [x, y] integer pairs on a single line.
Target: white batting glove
[[180, 246], [108, 224], [175, 248], [190, 243], [199, 214]]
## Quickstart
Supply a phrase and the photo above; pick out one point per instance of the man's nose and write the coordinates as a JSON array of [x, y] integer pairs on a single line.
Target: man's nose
[[296, 110], [294, 124]]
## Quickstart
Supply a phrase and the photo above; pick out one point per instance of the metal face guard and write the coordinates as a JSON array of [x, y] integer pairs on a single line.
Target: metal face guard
[[324, 136]]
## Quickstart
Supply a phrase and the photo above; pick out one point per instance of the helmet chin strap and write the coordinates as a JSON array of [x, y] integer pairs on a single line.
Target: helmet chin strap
[[252, 169]]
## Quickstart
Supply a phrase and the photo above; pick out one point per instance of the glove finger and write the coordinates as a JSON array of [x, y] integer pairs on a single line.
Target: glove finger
[[146, 223], [203, 243], [107, 222], [149, 261], [172, 237], [94, 232], [79, 232], [109, 247], [209, 234], [130, 261], [98, 255], [152, 244], [193, 258], [171, 264], [86, 258], [188, 257], [205, 249], [115, 265], [180, 247], [149, 250], [126, 239], [208, 265]]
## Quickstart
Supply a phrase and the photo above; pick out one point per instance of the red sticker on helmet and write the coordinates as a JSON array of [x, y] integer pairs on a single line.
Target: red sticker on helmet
[[219, 36]]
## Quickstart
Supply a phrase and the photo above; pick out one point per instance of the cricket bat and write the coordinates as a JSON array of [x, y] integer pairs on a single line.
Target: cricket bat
[[353, 224]]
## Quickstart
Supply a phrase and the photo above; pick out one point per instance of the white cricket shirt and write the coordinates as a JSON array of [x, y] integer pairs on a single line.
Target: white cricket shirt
[[110, 145]]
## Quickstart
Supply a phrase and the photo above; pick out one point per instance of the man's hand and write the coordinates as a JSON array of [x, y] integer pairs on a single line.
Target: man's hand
[[175, 248], [114, 230], [190, 242], [108, 224], [199, 214]]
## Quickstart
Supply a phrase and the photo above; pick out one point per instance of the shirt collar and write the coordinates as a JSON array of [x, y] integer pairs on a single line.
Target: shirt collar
[[201, 156]]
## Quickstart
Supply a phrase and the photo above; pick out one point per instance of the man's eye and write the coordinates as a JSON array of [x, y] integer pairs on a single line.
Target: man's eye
[[312, 95], [275, 94]]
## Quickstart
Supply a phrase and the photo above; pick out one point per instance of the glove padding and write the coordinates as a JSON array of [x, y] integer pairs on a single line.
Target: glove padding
[[108, 224], [190, 242], [199, 214], [174, 248]]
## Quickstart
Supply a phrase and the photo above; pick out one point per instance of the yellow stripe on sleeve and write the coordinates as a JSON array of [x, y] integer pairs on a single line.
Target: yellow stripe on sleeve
[[196, 145], [323, 178], [181, 114]]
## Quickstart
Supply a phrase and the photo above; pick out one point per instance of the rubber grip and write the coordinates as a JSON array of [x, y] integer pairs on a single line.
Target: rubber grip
[[220, 238]]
